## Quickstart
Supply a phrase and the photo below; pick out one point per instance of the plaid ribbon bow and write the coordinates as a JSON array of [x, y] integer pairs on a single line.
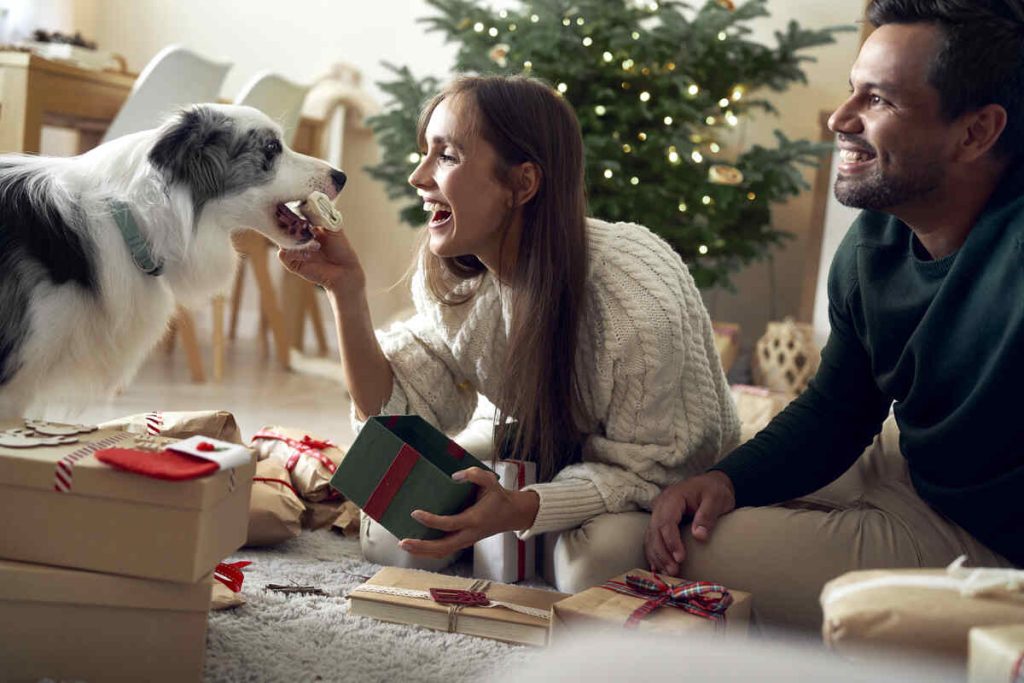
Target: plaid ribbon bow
[[700, 598]]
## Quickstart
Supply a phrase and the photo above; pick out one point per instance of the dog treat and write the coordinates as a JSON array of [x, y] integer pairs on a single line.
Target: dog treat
[[320, 210]]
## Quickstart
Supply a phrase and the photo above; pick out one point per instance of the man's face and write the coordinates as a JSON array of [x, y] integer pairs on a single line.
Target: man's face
[[895, 145]]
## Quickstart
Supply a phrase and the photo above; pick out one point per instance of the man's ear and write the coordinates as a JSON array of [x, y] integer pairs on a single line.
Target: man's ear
[[983, 128], [525, 182]]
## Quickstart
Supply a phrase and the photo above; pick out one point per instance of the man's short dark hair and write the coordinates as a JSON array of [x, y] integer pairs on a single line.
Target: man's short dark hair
[[980, 60]]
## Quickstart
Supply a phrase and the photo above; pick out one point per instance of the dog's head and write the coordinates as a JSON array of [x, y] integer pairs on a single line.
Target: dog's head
[[239, 172]]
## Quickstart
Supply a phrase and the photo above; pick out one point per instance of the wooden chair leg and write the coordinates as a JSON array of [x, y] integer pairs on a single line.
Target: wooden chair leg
[[313, 303], [293, 301], [268, 303], [236, 299], [186, 327], [218, 338]]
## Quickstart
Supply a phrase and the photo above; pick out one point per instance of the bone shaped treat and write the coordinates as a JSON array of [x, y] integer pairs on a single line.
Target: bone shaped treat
[[320, 210]]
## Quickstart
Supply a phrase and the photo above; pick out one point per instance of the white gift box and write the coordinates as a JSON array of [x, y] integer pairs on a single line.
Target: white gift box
[[504, 557]]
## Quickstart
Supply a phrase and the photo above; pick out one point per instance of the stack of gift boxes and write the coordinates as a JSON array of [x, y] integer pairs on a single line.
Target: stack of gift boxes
[[105, 573]]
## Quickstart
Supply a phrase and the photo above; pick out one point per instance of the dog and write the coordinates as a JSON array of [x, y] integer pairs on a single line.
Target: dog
[[97, 250]]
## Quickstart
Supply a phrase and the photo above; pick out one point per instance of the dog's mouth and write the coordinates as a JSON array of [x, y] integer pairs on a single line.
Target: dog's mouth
[[292, 222]]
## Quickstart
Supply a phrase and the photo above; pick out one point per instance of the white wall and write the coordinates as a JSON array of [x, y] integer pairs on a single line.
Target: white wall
[[300, 39]]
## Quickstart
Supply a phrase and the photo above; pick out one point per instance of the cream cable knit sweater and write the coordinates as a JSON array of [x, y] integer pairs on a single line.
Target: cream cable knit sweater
[[653, 389]]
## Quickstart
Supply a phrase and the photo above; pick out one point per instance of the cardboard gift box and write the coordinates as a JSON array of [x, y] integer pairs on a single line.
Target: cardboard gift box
[[65, 624], [310, 461], [996, 653], [505, 557], [61, 506], [653, 603], [489, 610], [401, 463], [924, 611]]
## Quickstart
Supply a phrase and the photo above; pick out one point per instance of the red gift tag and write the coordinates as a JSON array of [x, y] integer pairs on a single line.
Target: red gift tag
[[454, 596]]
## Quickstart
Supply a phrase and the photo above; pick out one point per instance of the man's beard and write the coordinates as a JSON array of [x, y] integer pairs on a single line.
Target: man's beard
[[877, 191]]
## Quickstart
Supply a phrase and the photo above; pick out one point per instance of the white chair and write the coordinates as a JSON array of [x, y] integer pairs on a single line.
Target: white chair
[[174, 78]]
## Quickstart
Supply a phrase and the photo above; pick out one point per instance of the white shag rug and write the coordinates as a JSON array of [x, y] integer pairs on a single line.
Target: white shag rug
[[291, 637]]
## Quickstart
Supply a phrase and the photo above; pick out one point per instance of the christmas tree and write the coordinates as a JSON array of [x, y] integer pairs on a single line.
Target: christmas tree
[[658, 87]]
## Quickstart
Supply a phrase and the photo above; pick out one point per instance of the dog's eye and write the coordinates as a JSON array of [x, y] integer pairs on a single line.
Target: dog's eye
[[272, 148]]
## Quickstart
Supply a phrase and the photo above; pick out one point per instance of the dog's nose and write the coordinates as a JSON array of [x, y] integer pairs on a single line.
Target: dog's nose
[[339, 179]]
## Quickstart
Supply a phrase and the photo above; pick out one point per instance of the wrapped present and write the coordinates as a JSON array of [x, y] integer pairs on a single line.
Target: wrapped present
[[275, 509], [727, 342], [217, 424], [654, 603], [926, 611], [996, 654], [400, 463], [60, 505], [311, 461], [347, 522], [65, 624], [505, 557], [756, 406], [476, 607]]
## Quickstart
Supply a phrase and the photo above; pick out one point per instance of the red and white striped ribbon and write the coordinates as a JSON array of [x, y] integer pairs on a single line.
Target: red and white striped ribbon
[[62, 474], [154, 423]]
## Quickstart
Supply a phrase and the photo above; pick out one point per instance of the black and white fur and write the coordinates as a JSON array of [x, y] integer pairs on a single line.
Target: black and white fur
[[77, 316]]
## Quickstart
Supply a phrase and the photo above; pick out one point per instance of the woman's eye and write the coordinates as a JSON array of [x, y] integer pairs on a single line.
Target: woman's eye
[[447, 158]]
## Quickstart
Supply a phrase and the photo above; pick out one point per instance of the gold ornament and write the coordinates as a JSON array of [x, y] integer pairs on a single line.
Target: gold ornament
[[720, 174], [499, 54]]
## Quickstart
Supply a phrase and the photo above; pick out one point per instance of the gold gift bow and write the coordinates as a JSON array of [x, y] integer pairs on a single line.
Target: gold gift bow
[[970, 582], [479, 585]]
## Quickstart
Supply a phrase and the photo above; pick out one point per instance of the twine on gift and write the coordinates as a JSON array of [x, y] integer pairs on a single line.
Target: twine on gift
[[478, 586], [230, 574], [700, 598], [63, 472], [307, 445]]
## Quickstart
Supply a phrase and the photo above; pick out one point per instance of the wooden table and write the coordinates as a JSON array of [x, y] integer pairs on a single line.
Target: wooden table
[[37, 92]]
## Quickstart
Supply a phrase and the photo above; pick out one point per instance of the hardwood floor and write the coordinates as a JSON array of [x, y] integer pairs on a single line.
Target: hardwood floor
[[254, 389]]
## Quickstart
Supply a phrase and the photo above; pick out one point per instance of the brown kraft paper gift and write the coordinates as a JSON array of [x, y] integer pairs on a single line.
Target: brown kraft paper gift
[[275, 510], [216, 424], [311, 461]]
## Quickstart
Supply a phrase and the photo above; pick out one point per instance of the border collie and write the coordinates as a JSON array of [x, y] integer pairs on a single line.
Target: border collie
[[96, 250]]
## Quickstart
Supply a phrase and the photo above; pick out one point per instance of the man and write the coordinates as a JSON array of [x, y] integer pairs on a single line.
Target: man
[[926, 304]]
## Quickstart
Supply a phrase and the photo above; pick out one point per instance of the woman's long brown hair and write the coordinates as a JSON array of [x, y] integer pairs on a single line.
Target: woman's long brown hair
[[526, 120]]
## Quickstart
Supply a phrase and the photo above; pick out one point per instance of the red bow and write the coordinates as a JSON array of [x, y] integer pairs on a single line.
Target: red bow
[[230, 574], [701, 598]]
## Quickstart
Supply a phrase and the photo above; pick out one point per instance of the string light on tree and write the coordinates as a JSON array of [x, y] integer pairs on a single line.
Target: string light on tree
[[607, 56], [563, 88], [634, 181], [478, 27], [668, 120], [702, 250], [608, 173], [588, 41], [600, 110], [693, 90], [645, 96], [682, 207]]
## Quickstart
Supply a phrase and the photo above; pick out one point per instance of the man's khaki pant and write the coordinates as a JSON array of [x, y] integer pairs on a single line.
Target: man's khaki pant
[[871, 517]]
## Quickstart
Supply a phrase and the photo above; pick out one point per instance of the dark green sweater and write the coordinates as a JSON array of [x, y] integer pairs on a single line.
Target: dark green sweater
[[941, 340]]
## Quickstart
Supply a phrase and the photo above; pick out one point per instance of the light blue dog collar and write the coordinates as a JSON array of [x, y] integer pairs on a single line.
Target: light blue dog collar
[[141, 255]]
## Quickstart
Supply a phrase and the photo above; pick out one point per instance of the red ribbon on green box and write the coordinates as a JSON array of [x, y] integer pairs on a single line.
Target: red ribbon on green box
[[397, 473]]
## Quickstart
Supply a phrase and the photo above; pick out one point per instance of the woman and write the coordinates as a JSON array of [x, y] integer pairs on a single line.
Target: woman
[[590, 338]]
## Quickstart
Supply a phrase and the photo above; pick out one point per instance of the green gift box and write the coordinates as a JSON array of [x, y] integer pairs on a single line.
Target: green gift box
[[401, 463]]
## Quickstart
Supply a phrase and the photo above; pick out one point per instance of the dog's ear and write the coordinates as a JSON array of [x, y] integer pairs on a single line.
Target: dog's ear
[[194, 150]]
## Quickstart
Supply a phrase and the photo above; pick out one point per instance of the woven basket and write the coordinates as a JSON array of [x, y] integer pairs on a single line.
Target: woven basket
[[785, 358]]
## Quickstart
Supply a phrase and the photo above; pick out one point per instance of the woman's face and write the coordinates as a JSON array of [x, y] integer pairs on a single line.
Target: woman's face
[[466, 204]]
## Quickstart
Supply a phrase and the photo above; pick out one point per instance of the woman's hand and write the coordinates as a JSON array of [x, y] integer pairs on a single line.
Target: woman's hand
[[496, 510], [707, 497], [329, 261]]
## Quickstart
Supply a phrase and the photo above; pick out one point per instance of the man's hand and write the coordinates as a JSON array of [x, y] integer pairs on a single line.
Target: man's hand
[[707, 497], [496, 509]]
